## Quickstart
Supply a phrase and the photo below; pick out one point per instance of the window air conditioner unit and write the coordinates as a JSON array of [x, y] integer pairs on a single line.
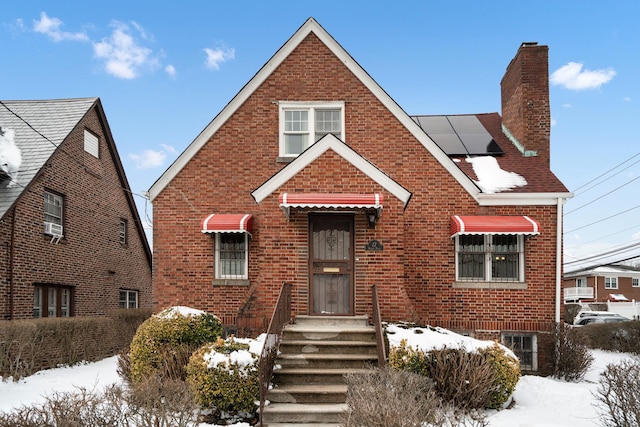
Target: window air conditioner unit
[[53, 229]]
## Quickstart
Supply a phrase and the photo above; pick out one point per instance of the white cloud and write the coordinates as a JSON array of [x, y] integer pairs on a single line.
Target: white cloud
[[217, 56], [573, 77], [553, 121], [170, 69], [123, 55], [51, 27], [627, 99], [567, 105], [149, 159]]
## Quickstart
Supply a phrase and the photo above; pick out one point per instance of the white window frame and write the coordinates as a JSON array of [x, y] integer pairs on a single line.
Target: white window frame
[[122, 231], [488, 254], [610, 282], [533, 350], [130, 300], [311, 108], [91, 143], [581, 282], [635, 282], [56, 202], [244, 275]]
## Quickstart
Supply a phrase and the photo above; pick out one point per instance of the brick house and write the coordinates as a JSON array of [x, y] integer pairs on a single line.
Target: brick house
[[72, 240], [609, 282], [314, 176]]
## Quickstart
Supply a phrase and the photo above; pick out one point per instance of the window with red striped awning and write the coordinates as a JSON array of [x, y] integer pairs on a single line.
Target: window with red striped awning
[[461, 224]]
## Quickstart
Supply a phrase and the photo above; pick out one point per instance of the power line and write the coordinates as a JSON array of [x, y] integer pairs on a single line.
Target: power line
[[603, 174], [615, 251], [601, 220], [603, 196]]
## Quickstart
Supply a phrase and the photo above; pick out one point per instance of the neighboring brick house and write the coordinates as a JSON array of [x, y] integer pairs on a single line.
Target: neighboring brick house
[[72, 240], [609, 282], [313, 175]]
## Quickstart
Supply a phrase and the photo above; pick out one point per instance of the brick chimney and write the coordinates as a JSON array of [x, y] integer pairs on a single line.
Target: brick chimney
[[526, 114]]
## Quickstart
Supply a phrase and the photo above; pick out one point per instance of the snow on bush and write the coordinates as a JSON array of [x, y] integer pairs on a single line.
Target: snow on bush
[[163, 343]]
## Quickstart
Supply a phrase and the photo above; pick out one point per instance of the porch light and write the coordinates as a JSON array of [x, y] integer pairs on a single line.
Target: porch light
[[372, 219]]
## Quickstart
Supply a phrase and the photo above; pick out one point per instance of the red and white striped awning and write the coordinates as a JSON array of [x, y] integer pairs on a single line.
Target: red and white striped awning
[[227, 223], [330, 200], [493, 225]]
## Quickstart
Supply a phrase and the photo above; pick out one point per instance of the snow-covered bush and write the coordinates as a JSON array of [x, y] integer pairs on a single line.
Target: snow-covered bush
[[163, 344], [224, 378], [466, 372]]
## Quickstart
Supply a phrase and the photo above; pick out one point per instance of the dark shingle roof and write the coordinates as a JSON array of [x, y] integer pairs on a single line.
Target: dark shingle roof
[[540, 179], [40, 127]]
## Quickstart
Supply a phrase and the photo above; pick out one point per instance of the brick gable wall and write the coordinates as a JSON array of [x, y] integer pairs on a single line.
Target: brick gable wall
[[90, 257], [415, 271]]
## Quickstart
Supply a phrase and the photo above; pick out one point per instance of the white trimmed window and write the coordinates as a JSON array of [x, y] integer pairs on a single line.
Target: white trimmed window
[[611, 283], [52, 301], [490, 258], [525, 346], [303, 123], [91, 144], [122, 235], [635, 282], [231, 255], [581, 282], [53, 204], [128, 299]]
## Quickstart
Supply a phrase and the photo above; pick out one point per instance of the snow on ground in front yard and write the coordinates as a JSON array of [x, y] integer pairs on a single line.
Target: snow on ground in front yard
[[539, 402]]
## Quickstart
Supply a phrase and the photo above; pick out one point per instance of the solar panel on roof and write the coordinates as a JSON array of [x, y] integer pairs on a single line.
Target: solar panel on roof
[[459, 135]]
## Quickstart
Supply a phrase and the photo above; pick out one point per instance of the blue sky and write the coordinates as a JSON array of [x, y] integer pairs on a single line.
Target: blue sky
[[164, 72]]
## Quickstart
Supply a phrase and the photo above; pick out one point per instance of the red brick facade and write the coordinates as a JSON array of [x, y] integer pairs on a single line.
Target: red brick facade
[[415, 271], [90, 259]]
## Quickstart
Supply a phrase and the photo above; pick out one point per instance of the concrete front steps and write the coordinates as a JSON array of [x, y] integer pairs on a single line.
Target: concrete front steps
[[308, 381]]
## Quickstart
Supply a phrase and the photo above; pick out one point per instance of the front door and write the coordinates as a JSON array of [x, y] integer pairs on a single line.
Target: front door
[[331, 263]]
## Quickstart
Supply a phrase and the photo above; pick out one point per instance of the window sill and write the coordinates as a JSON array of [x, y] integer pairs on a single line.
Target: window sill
[[489, 285], [231, 282]]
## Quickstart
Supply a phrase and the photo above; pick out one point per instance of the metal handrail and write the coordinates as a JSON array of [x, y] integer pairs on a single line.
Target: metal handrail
[[281, 316], [377, 323]]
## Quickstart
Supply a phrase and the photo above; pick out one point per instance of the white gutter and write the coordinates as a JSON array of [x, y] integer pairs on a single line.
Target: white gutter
[[559, 258]]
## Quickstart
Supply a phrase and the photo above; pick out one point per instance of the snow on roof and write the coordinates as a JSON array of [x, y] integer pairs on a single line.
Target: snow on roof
[[491, 177]]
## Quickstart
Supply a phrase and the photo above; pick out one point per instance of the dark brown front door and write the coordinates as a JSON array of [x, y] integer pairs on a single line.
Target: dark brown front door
[[331, 263]]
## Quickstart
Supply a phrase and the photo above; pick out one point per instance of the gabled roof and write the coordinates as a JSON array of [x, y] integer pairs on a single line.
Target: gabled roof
[[543, 197], [330, 142], [40, 127], [310, 26]]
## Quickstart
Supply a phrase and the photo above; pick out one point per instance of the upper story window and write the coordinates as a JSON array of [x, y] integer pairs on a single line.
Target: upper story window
[[123, 231], [91, 144], [53, 208], [581, 282], [302, 124], [635, 282], [490, 258], [611, 283]]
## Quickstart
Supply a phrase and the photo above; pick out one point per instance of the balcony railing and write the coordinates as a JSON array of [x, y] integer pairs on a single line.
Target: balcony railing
[[575, 294]]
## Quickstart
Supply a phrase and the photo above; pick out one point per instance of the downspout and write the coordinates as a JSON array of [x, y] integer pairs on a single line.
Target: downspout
[[559, 258], [13, 234]]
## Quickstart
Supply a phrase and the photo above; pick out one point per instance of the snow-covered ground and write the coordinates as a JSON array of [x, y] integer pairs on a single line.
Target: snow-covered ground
[[539, 402]]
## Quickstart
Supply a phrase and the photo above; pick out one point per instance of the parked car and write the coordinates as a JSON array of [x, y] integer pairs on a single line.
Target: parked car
[[590, 320], [583, 314]]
